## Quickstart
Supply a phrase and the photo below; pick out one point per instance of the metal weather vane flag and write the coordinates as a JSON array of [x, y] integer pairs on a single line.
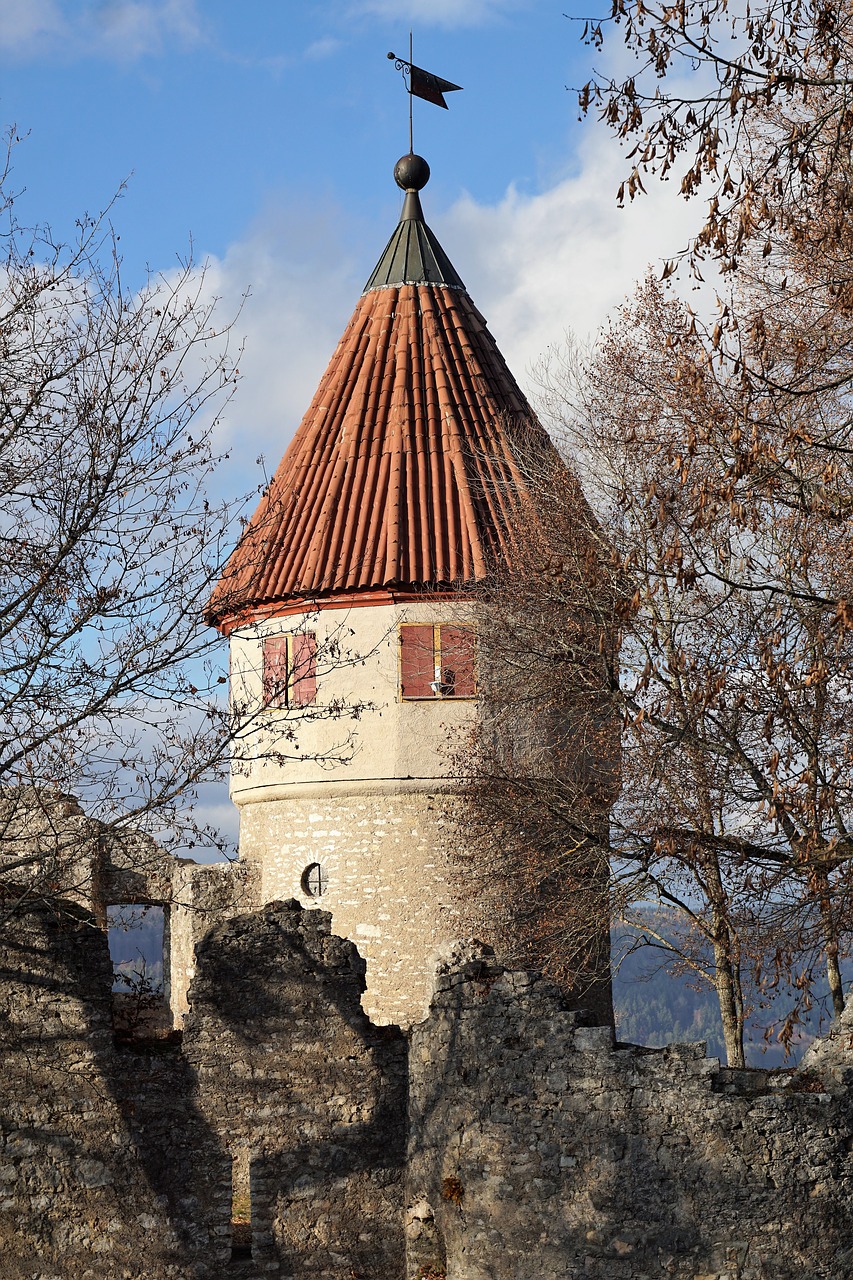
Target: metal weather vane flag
[[421, 83]]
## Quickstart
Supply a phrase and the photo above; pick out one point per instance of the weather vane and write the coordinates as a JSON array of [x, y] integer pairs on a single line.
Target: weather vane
[[421, 84]]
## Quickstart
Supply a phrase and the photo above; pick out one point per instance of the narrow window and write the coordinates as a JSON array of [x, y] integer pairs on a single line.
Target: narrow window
[[437, 661], [275, 671], [136, 937], [457, 662], [290, 670], [241, 1206], [417, 661]]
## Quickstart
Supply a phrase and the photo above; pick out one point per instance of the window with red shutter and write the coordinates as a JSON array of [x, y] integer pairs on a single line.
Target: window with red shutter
[[275, 671], [290, 670], [456, 661], [303, 680], [437, 661], [417, 661]]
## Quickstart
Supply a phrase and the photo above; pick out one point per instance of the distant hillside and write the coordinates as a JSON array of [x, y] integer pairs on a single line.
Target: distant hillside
[[136, 946], [655, 1007]]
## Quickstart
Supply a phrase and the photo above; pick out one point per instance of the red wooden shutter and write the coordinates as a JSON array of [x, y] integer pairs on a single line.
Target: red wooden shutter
[[275, 671], [304, 674], [457, 662], [417, 661]]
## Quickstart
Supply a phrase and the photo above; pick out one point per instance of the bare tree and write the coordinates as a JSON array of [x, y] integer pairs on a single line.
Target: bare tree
[[757, 102], [716, 560], [540, 768], [737, 680], [114, 707], [109, 544]]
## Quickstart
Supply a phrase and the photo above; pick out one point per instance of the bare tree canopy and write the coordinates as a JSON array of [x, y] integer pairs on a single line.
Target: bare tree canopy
[[755, 102], [736, 682], [109, 540], [540, 766]]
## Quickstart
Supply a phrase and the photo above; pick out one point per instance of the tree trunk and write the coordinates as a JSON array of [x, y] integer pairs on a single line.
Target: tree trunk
[[726, 970], [830, 945], [729, 997]]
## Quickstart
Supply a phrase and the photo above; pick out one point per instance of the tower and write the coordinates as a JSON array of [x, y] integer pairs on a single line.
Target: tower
[[350, 611]]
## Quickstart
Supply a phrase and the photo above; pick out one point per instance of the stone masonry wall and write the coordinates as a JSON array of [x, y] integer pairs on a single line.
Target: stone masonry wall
[[311, 1096], [537, 1148], [116, 1161], [386, 882], [199, 898], [105, 1164]]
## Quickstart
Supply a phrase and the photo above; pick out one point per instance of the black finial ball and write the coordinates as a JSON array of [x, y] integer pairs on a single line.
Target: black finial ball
[[411, 172]]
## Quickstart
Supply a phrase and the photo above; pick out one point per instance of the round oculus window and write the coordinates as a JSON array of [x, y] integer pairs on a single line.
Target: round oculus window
[[314, 880]]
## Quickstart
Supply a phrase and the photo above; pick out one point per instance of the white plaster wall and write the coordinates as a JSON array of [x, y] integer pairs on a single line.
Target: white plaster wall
[[358, 733]]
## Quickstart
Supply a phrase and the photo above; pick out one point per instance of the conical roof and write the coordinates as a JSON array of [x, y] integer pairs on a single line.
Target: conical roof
[[403, 473]]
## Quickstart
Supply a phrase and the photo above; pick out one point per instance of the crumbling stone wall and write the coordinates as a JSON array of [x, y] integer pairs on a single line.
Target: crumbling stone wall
[[293, 1072], [538, 1148], [199, 898], [116, 1159], [49, 847], [105, 1164]]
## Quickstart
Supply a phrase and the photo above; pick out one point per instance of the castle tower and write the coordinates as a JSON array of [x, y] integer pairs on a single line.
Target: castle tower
[[348, 604]]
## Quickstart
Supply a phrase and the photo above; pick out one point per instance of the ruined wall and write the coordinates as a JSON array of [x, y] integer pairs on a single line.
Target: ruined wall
[[116, 1160], [105, 1165], [48, 846], [311, 1096], [200, 897], [539, 1149]]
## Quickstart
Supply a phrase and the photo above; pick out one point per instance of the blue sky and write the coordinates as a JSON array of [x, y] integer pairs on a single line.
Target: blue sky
[[265, 133], [218, 109]]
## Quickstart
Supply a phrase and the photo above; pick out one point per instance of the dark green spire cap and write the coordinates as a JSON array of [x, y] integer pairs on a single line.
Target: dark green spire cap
[[413, 255]]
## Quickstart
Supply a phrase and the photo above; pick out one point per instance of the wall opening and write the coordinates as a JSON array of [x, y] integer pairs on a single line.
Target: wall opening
[[314, 880], [241, 1206], [136, 933]]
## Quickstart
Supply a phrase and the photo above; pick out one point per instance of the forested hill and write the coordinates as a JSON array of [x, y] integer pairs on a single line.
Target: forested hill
[[656, 1006]]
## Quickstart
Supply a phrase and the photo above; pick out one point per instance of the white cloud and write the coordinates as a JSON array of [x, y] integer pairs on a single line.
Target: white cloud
[[324, 48], [303, 286], [126, 29], [25, 24], [130, 28], [540, 265], [439, 13]]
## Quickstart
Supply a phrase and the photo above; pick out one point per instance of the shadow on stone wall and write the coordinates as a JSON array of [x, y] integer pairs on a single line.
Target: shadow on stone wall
[[292, 1070], [538, 1148], [117, 1160], [108, 1167]]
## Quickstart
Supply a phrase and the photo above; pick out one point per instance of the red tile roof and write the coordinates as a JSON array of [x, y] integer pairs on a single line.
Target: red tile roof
[[402, 474]]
